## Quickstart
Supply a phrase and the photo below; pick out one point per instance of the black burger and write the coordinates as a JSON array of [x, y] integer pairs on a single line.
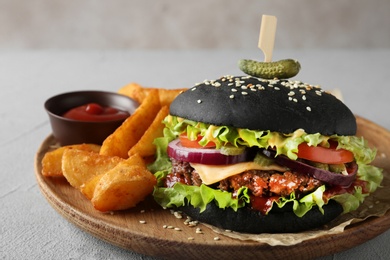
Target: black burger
[[262, 156]]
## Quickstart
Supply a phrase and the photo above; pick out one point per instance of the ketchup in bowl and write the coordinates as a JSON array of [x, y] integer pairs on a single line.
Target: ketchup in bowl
[[87, 116], [93, 112]]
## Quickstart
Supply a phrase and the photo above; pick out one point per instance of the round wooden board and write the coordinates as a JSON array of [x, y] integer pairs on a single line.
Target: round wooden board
[[125, 230]]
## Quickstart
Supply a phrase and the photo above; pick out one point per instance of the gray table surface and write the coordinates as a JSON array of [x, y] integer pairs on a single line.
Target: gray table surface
[[31, 229]]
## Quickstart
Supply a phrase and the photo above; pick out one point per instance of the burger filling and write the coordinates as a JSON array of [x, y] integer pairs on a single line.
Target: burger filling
[[259, 183], [199, 163]]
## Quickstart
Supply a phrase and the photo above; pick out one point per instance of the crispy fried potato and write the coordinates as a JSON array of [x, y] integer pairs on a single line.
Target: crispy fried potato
[[123, 187], [134, 91], [145, 147], [52, 161], [168, 95], [137, 160], [80, 166], [88, 188], [127, 135], [139, 93]]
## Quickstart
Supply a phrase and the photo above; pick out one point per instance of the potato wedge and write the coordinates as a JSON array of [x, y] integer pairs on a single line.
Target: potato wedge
[[52, 161], [145, 147], [168, 95], [127, 135], [139, 93], [136, 160], [88, 188], [123, 187], [80, 166], [134, 91]]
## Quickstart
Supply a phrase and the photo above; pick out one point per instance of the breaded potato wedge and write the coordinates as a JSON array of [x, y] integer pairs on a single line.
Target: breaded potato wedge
[[88, 188], [123, 187], [80, 166], [127, 135], [52, 161], [134, 91], [145, 147]]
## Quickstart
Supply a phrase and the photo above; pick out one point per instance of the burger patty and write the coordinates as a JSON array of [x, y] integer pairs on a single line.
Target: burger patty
[[260, 183]]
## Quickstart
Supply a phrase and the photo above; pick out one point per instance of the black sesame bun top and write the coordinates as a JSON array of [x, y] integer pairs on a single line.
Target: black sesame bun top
[[276, 105]]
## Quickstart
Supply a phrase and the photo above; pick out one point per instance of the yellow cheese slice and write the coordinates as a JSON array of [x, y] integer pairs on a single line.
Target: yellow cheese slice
[[214, 173]]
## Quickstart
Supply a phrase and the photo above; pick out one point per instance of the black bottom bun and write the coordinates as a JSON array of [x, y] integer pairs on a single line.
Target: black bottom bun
[[246, 220]]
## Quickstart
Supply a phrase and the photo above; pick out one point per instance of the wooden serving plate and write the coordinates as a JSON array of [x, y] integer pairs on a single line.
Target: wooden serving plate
[[141, 229]]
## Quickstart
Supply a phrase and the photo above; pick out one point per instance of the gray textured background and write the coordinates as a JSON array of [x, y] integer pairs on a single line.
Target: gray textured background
[[185, 24]]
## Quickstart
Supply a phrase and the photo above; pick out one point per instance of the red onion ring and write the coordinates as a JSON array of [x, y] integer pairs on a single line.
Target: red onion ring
[[207, 156], [320, 174]]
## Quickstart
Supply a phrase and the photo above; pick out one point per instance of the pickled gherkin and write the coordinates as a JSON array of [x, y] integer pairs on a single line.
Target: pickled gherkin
[[282, 69]]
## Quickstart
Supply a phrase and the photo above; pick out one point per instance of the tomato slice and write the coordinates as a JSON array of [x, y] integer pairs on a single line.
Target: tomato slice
[[194, 143], [320, 154]]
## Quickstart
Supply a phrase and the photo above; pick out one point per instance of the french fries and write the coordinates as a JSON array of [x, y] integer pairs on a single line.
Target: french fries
[[127, 135], [114, 176]]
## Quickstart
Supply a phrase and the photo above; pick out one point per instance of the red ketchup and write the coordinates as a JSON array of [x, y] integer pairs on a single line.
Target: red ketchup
[[263, 204], [93, 112]]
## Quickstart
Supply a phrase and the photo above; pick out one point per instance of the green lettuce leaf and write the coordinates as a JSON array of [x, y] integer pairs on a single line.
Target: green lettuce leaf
[[350, 202], [162, 161], [312, 199], [286, 144], [371, 174], [198, 196]]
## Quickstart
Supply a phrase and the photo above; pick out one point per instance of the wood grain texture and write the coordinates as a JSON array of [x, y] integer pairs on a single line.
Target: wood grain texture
[[124, 229]]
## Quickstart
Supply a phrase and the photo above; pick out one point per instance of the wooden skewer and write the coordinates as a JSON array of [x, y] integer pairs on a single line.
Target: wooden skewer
[[267, 36]]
